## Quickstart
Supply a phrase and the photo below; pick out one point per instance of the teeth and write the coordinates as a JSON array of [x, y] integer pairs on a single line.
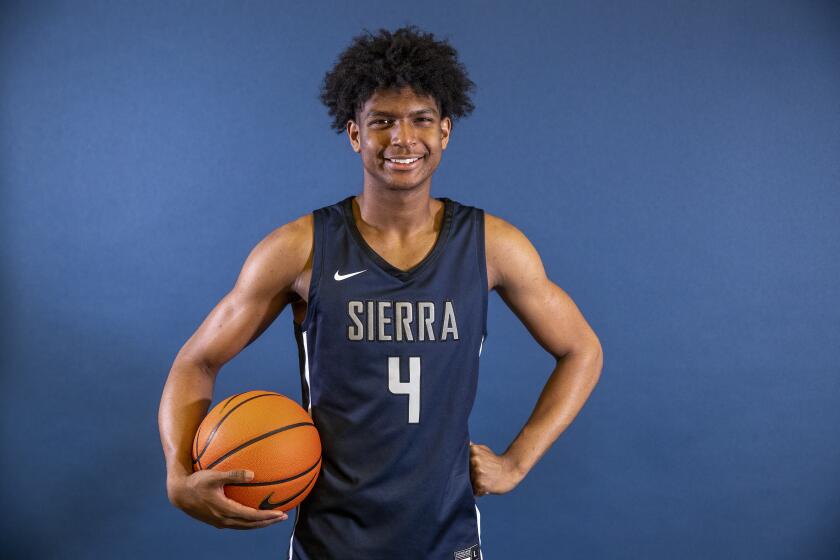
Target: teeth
[[404, 160]]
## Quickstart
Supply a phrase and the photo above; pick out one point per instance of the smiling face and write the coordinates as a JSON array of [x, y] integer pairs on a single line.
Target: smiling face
[[401, 137]]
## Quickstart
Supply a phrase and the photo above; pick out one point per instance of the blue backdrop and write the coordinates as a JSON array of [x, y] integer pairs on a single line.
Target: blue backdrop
[[675, 164]]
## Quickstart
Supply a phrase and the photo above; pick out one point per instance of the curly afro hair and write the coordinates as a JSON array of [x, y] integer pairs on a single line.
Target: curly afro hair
[[406, 57]]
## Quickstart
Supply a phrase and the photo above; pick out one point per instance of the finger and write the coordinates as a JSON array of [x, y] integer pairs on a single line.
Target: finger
[[242, 524], [278, 516], [281, 517], [229, 477], [236, 510]]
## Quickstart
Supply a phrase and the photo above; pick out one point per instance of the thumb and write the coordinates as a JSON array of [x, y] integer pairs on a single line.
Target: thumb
[[240, 475]]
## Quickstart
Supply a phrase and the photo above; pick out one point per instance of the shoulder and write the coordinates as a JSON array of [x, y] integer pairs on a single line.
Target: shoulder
[[291, 242], [292, 234], [281, 258], [499, 230], [508, 251]]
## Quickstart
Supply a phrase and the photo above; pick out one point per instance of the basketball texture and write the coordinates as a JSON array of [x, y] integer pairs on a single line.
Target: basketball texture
[[269, 434]]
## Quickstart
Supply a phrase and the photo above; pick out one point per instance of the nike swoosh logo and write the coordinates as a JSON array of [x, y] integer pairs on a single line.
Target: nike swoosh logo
[[341, 277], [268, 504]]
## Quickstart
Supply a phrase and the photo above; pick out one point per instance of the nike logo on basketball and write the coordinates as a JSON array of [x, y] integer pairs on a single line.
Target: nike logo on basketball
[[340, 277], [268, 504]]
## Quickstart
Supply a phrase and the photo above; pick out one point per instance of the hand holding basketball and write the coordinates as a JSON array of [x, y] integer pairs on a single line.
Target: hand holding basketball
[[269, 435], [491, 473], [201, 495]]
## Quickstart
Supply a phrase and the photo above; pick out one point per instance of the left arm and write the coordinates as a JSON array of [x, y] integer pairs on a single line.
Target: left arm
[[515, 271]]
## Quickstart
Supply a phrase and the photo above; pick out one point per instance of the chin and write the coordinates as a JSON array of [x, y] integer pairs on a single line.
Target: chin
[[392, 187], [395, 186]]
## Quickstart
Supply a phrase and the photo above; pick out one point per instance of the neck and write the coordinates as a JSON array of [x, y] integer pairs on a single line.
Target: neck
[[401, 212]]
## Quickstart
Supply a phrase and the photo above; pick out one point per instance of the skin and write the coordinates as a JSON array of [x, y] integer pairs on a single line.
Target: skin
[[400, 220]]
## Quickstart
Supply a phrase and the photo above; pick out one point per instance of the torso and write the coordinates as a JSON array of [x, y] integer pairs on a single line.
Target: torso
[[389, 370]]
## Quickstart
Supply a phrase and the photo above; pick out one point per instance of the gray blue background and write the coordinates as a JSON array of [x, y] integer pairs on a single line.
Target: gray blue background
[[676, 164]]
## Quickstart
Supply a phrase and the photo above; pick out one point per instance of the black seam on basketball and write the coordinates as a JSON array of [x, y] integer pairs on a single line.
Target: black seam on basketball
[[227, 402], [268, 504], [276, 481], [195, 443], [216, 427], [256, 439], [224, 406], [195, 446]]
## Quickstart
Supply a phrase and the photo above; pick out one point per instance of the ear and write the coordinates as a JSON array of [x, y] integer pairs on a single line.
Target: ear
[[353, 135], [445, 130]]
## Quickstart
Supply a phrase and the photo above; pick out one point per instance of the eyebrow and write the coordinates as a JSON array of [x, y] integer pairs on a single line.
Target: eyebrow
[[386, 114]]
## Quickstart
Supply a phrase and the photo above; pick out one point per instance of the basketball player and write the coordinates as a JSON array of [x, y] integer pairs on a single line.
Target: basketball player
[[388, 291]]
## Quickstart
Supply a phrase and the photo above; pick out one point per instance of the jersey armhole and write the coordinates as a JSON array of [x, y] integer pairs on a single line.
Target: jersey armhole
[[481, 251], [315, 278]]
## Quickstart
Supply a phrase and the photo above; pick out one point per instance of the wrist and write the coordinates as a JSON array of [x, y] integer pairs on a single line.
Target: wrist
[[515, 467], [175, 480]]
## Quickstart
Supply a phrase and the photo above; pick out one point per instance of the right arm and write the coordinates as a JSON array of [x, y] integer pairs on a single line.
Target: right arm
[[275, 273]]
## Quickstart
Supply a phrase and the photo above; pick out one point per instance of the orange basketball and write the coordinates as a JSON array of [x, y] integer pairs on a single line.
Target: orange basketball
[[266, 433]]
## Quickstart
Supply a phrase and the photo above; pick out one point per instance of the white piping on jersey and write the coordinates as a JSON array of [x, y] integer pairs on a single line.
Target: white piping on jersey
[[292, 538], [306, 373], [478, 513], [309, 408], [478, 523]]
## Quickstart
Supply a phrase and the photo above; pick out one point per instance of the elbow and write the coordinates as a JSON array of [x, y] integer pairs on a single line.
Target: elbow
[[591, 355], [594, 349], [599, 362]]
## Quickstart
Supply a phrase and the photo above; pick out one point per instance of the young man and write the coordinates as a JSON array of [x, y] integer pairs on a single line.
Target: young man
[[389, 297]]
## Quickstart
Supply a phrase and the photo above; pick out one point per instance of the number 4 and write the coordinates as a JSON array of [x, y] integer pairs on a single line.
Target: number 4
[[410, 387]]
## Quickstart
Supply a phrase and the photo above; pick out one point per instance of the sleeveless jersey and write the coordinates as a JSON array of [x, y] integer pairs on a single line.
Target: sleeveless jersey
[[389, 368]]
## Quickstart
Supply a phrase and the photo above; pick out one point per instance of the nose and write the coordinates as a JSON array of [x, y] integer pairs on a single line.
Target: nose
[[403, 134]]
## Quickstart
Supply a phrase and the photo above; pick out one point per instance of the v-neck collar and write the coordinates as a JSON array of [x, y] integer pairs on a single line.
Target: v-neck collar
[[404, 275]]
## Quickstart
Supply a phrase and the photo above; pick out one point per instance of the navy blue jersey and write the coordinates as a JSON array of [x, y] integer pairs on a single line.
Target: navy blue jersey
[[389, 368]]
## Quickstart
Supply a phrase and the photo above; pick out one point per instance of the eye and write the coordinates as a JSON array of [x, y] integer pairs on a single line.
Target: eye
[[380, 121]]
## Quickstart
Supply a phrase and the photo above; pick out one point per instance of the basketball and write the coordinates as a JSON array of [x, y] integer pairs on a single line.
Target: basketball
[[268, 434]]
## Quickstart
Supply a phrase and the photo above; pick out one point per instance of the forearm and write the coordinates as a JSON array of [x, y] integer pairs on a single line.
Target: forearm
[[562, 398], [183, 405]]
